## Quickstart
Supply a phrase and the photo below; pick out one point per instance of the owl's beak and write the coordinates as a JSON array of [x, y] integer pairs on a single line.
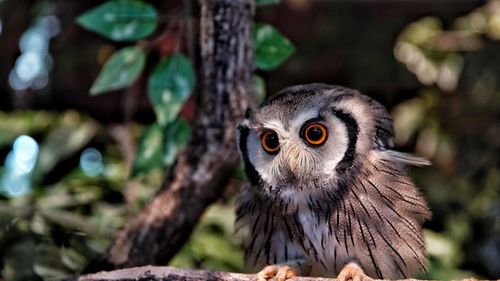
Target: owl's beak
[[293, 166], [298, 162], [296, 170]]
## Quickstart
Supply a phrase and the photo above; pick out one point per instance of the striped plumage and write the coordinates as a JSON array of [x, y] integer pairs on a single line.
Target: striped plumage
[[318, 207]]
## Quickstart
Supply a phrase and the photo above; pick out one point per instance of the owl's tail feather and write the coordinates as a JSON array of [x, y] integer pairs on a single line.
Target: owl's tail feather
[[407, 158]]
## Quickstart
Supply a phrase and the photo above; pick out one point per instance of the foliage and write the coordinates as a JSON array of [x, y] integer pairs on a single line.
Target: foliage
[[121, 20], [120, 71], [463, 186], [212, 245], [59, 223], [271, 48], [178, 132], [170, 83], [169, 86], [150, 146]]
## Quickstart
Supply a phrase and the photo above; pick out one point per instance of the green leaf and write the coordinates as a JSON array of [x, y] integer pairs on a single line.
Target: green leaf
[[271, 48], [73, 259], [120, 71], [48, 263], [150, 149], [70, 136], [260, 88], [176, 136], [121, 20], [170, 84], [266, 2]]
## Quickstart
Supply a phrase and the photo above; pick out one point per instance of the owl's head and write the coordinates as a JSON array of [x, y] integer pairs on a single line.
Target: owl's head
[[308, 135]]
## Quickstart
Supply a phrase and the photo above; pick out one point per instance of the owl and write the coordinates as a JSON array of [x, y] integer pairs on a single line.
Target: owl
[[326, 193]]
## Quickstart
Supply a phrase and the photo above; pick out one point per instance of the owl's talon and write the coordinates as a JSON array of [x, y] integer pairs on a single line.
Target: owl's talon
[[279, 272], [352, 272]]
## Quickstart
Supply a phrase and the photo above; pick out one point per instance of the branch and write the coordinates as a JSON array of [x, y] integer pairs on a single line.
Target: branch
[[163, 273], [204, 168]]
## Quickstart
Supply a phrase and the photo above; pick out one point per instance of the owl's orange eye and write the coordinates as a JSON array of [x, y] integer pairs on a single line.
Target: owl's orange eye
[[315, 134], [270, 142]]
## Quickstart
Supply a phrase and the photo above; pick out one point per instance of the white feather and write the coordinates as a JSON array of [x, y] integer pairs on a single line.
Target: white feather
[[406, 158]]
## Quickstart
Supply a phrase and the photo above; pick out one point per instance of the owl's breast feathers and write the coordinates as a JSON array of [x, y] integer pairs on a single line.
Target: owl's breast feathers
[[374, 219]]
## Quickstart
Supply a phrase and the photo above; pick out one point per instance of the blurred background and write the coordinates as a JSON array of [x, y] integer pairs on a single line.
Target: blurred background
[[68, 159]]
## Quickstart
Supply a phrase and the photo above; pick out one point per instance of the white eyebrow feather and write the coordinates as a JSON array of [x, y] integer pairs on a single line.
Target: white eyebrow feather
[[277, 126], [299, 120]]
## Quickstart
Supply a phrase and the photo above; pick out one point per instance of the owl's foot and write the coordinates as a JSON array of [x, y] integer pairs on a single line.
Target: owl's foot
[[352, 272], [279, 272]]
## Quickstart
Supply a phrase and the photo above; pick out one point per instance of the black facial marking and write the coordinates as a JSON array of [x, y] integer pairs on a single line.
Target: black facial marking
[[352, 133], [250, 171]]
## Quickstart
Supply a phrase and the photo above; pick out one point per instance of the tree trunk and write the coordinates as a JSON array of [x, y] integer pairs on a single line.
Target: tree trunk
[[204, 168]]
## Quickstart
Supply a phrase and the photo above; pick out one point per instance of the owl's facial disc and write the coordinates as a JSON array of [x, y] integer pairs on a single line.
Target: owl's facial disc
[[295, 151], [302, 152]]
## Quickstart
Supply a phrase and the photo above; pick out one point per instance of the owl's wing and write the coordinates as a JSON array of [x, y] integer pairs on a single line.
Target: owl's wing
[[380, 215]]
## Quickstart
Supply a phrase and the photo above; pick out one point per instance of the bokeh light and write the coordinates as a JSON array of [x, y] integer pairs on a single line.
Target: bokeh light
[[19, 164], [28, 66], [34, 40], [32, 67], [91, 162], [25, 151], [15, 185]]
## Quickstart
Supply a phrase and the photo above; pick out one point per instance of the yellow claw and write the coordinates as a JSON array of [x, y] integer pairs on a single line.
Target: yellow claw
[[352, 272], [279, 272]]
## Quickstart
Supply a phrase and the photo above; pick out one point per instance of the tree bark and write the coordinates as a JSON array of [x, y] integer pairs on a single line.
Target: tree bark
[[204, 168]]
